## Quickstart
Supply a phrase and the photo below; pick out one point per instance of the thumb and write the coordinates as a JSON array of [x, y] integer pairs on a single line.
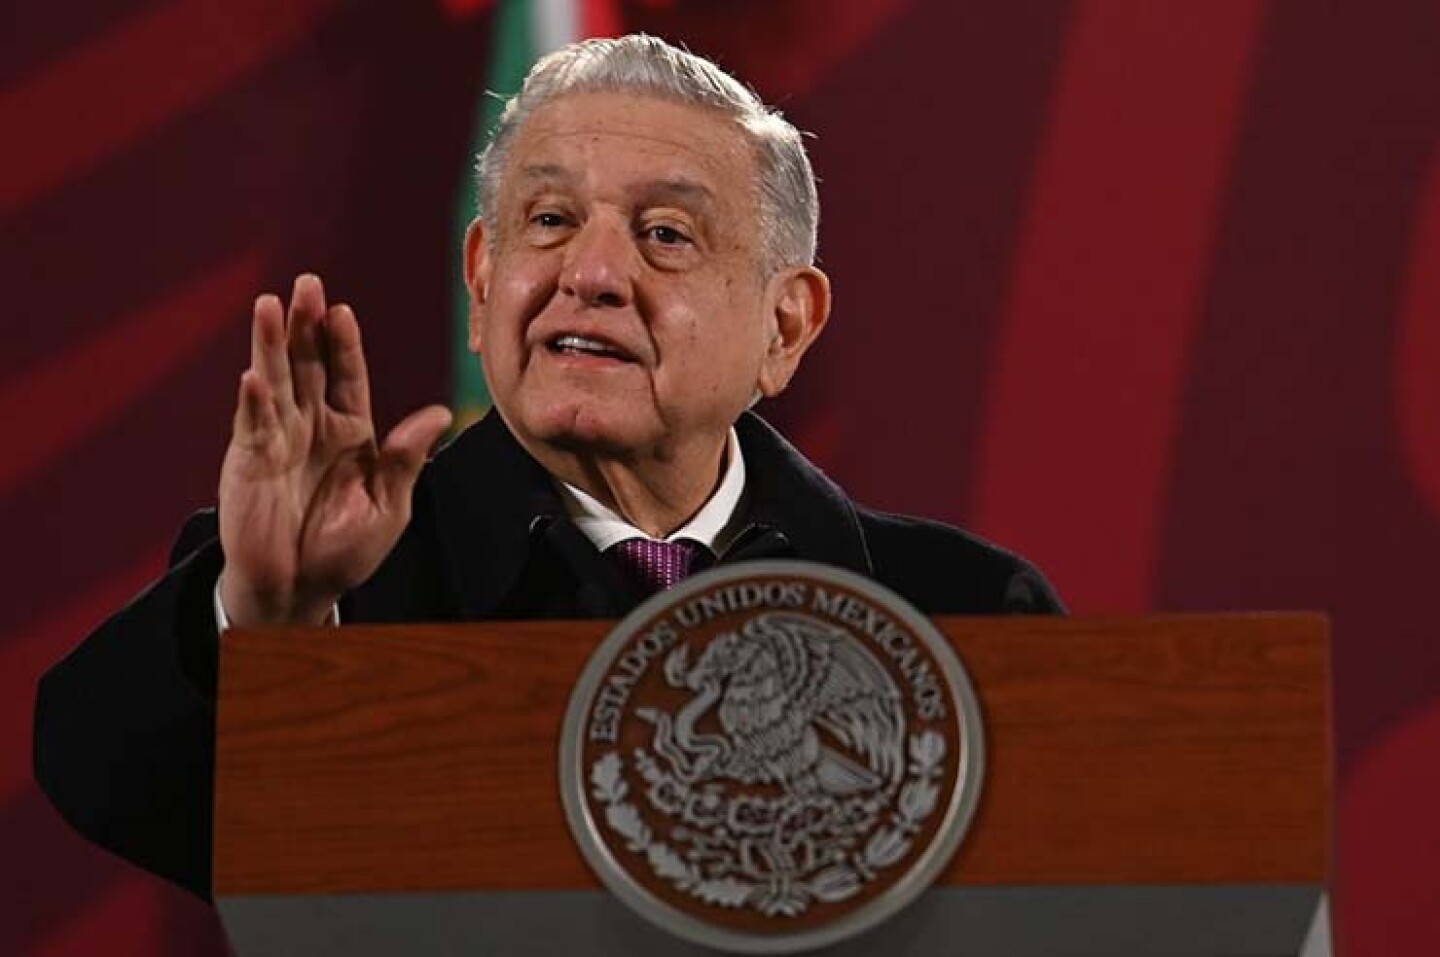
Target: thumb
[[404, 451]]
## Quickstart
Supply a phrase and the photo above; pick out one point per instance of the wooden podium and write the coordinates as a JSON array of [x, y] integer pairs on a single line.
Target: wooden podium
[[1153, 786]]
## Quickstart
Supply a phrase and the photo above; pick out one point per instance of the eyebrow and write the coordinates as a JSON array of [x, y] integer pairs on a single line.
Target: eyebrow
[[682, 192], [544, 171]]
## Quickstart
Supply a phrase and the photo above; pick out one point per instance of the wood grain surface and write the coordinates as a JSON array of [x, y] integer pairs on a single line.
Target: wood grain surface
[[1192, 749]]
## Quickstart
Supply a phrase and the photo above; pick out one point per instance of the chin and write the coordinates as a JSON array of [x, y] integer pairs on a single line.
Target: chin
[[582, 427]]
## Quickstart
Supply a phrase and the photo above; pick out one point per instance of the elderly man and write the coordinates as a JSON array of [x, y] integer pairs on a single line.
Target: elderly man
[[641, 272]]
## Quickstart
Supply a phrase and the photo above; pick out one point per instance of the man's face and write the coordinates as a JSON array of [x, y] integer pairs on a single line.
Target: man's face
[[622, 308]]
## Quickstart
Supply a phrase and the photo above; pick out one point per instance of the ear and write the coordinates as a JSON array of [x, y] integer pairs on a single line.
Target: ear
[[477, 278], [800, 300]]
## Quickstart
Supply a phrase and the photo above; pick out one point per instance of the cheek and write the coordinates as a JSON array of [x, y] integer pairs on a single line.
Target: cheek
[[528, 285], [501, 348], [723, 359]]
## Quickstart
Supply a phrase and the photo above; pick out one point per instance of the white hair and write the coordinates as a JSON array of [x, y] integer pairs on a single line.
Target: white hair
[[789, 204]]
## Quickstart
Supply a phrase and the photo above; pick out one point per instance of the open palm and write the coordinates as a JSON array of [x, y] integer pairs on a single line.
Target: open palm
[[310, 504]]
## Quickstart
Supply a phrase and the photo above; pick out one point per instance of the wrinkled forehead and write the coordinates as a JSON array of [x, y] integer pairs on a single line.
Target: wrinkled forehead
[[632, 140]]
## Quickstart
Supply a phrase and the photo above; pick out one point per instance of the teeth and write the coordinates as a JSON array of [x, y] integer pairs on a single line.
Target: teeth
[[583, 344]]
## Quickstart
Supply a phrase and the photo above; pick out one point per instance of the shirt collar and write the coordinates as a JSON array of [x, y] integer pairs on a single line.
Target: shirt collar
[[714, 526]]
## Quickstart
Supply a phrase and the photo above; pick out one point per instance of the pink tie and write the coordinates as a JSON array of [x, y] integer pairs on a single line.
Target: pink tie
[[655, 566]]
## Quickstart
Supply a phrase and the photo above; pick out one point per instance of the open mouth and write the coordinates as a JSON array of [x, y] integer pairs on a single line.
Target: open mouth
[[573, 345]]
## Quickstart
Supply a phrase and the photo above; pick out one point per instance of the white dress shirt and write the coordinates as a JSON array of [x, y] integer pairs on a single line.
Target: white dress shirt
[[715, 526]]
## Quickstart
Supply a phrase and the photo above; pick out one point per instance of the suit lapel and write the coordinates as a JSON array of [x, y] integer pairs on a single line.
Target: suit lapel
[[493, 503], [791, 504]]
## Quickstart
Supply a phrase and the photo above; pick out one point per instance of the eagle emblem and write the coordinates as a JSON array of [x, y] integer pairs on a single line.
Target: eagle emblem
[[799, 703], [759, 754]]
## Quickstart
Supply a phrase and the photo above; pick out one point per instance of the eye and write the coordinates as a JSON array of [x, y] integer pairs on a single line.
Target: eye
[[546, 227], [667, 235]]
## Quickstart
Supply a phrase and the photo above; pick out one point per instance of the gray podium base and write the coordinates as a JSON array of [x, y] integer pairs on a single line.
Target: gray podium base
[[1187, 921]]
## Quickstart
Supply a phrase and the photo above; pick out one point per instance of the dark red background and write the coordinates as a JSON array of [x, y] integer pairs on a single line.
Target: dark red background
[[1148, 291]]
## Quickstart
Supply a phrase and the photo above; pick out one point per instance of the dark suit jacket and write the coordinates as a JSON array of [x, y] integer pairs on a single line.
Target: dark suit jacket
[[124, 726]]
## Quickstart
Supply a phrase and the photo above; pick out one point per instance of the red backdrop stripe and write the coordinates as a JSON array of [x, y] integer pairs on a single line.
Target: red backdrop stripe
[[59, 403], [125, 920], [147, 70], [601, 18], [1112, 260], [782, 48], [1392, 789], [1417, 348]]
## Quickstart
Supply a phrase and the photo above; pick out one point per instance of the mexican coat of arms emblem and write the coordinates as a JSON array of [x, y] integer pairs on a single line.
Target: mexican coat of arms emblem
[[771, 757]]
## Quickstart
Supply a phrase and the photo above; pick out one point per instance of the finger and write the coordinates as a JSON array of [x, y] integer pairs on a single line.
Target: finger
[[255, 418], [268, 356], [305, 345], [405, 450], [347, 386], [307, 298]]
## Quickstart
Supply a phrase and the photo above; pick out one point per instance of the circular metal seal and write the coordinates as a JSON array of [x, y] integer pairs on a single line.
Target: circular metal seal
[[771, 757]]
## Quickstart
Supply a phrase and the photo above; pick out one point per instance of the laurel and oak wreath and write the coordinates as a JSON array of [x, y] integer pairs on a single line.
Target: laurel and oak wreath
[[716, 867]]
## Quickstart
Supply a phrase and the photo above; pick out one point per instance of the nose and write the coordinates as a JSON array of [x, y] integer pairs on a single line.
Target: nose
[[599, 263]]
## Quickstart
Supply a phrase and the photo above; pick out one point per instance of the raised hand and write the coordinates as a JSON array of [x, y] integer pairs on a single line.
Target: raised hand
[[310, 504]]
